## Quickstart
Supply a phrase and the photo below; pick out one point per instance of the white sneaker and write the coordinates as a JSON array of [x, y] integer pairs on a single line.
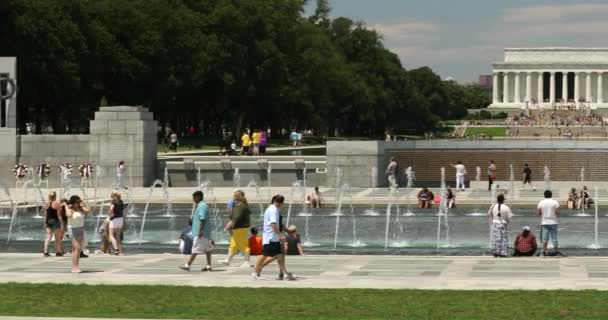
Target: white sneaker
[[256, 276], [246, 265], [290, 276], [225, 262]]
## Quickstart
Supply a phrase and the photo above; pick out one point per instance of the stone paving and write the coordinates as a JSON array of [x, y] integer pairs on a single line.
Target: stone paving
[[322, 271]]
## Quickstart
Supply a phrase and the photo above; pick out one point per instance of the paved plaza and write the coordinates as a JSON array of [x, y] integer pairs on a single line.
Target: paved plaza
[[322, 271]]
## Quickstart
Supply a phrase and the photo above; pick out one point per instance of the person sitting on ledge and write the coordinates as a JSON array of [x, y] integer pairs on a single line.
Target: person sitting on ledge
[[425, 196], [572, 199], [313, 200], [451, 198], [584, 200], [525, 244]]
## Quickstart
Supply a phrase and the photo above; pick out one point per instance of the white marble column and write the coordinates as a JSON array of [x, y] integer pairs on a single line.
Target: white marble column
[[600, 87], [528, 87], [552, 87], [577, 87], [564, 86], [505, 87], [495, 88], [517, 94], [540, 94], [588, 88]]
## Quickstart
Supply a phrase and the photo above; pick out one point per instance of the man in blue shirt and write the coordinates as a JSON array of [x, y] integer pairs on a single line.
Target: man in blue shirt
[[294, 138], [201, 232]]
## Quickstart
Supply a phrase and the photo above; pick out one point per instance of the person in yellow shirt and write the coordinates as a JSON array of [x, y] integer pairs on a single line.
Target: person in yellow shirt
[[246, 143], [256, 142]]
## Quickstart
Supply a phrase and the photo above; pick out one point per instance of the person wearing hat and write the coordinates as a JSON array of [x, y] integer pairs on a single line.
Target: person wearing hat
[[525, 243], [293, 243]]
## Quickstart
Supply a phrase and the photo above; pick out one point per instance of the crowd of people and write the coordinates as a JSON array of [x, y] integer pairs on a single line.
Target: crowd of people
[[251, 142], [525, 242], [64, 219], [276, 241], [562, 118]]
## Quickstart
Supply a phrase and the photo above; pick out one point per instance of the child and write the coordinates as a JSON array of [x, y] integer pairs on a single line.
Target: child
[[104, 234], [185, 239], [255, 242]]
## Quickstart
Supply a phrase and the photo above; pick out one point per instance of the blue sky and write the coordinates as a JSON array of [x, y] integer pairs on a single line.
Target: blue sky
[[461, 38]]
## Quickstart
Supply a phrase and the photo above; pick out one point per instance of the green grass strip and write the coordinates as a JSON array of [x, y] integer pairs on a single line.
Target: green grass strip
[[294, 303], [488, 131]]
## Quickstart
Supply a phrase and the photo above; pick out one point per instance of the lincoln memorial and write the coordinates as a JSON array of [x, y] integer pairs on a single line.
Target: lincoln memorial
[[537, 78]]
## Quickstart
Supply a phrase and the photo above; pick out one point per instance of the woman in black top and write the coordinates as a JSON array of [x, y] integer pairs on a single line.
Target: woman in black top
[[117, 222], [53, 225]]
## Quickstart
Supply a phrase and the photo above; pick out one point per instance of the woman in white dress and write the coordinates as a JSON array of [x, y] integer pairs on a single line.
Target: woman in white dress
[[500, 216]]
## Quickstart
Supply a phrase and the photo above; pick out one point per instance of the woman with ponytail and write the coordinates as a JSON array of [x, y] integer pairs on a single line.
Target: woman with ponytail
[[500, 216]]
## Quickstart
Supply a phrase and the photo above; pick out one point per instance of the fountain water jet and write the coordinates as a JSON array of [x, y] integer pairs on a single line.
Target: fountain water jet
[[374, 179], [596, 244], [410, 175], [547, 178], [442, 215]]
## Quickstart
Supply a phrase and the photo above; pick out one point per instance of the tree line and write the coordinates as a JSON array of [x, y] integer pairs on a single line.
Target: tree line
[[218, 64]]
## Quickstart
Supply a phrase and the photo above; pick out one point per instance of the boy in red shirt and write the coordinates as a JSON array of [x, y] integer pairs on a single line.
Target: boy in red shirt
[[255, 242]]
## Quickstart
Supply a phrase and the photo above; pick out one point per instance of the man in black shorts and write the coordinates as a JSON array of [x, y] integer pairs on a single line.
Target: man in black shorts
[[272, 241], [527, 177]]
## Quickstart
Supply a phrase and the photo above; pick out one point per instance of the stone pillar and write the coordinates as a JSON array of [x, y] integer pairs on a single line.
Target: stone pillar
[[540, 88], [528, 87], [564, 86], [505, 87], [600, 87], [577, 88], [517, 94], [8, 66], [552, 87], [588, 88], [129, 134], [495, 88]]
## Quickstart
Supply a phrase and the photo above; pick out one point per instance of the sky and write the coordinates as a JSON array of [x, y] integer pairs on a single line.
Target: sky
[[461, 38]]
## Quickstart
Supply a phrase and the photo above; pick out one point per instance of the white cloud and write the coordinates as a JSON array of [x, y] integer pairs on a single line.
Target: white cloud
[[552, 25], [406, 30], [467, 48], [553, 13]]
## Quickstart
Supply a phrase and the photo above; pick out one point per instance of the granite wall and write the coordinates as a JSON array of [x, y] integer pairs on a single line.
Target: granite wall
[[565, 158], [117, 133]]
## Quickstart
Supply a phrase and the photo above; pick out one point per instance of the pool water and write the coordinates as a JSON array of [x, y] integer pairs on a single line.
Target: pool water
[[359, 229]]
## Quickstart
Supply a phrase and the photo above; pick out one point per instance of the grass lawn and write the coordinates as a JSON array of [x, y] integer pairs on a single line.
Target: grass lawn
[[488, 131], [248, 303]]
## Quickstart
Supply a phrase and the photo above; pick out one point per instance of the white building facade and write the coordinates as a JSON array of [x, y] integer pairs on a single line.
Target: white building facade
[[538, 78]]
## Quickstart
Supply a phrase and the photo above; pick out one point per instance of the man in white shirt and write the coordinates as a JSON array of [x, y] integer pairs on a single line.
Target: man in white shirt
[[461, 172], [548, 210], [271, 240], [391, 173]]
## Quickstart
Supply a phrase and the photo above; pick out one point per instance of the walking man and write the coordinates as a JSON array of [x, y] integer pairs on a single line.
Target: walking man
[[391, 173], [527, 177], [271, 241], [461, 172], [201, 232], [548, 210], [491, 174]]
